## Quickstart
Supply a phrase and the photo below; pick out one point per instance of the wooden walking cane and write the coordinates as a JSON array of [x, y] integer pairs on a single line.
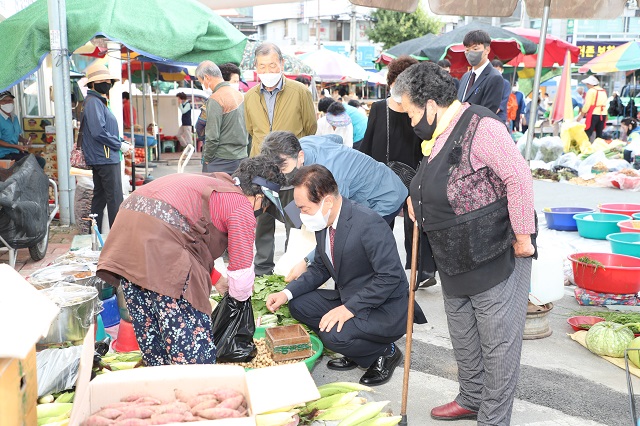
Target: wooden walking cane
[[413, 286]]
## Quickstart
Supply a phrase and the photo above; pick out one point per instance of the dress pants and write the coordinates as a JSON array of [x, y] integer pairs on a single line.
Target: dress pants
[[486, 333], [265, 236], [351, 341], [107, 191]]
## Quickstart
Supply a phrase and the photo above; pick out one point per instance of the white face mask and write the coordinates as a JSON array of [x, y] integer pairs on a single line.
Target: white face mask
[[235, 86], [270, 79], [208, 91], [317, 221], [7, 108], [396, 98]]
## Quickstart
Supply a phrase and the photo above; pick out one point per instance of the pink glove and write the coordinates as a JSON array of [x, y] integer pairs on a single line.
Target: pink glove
[[241, 283]]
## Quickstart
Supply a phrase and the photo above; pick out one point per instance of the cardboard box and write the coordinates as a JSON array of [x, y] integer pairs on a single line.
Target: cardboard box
[[37, 124], [18, 390], [5, 164], [266, 389]]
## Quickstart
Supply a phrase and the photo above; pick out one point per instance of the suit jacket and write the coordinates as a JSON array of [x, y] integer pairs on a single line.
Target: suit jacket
[[370, 279], [487, 90]]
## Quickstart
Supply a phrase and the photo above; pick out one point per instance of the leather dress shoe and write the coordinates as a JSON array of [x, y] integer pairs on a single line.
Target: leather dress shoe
[[382, 369], [341, 364], [452, 411], [428, 282]]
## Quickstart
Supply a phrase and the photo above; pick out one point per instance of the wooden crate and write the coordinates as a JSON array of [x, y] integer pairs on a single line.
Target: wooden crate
[[288, 342]]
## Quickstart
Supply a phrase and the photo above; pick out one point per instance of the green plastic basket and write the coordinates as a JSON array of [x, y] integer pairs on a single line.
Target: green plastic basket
[[316, 345]]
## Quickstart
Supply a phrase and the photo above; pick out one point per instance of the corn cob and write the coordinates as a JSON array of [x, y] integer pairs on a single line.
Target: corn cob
[[364, 413]]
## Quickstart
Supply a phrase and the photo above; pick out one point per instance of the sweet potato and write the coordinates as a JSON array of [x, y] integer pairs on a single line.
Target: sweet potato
[[132, 422], [116, 405], [132, 398], [212, 403], [233, 402], [96, 420], [164, 418], [183, 396], [218, 413], [136, 412], [147, 400], [222, 394], [201, 398], [174, 407], [110, 413]]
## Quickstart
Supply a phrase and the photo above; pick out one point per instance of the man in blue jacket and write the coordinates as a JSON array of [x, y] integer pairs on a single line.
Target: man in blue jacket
[[360, 178]]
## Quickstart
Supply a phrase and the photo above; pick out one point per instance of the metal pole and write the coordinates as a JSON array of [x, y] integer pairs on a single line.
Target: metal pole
[[158, 118], [354, 34], [62, 137], [533, 113], [319, 24], [66, 87], [133, 140], [144, 123], [193, 105], [153, 115]]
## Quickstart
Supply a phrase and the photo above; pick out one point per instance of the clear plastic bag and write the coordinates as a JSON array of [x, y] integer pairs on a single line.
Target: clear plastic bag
[[570, 161], [584, 170], [550, 148], [57, 369]]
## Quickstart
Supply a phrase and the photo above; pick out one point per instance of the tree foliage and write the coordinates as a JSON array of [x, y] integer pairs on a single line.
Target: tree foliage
[[393, 27]]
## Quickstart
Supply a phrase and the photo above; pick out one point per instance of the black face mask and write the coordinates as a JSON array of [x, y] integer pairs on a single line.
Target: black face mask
[[423, 129], [289, 176], [102, 88]]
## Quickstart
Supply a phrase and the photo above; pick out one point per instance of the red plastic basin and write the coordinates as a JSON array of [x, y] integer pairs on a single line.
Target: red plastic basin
[[620, 208], [577, 322], [619, 274], [627, 226]]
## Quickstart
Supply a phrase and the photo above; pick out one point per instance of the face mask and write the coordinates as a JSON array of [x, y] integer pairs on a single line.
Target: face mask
[[102, 88], [207, 91], [474, 57], [396, 98], [316, 222], [258, 212], [270, 79], [7, 108], [235, 86], [423, 129], [289, 176]]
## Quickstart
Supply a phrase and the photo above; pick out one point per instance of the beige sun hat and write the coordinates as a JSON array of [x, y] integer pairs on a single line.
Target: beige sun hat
[[97, 72]]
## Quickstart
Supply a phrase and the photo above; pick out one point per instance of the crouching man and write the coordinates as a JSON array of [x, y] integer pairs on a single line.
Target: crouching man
[[367, 312]]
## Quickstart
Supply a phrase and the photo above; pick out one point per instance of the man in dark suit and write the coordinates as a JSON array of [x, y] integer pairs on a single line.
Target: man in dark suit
[[367, 311], [483, 84]]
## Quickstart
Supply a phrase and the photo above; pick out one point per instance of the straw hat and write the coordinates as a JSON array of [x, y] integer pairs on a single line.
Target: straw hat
[[97, 72], [591, 80]]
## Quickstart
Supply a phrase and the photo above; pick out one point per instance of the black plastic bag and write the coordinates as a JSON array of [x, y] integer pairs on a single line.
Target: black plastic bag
[[24, 203], [233, 327]]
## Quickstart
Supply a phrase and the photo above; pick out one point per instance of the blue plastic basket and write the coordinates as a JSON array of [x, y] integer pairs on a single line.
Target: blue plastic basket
[[110, 312], [599, 225]]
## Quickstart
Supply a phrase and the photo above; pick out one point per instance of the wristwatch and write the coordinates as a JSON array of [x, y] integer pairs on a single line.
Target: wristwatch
[[307, 261]]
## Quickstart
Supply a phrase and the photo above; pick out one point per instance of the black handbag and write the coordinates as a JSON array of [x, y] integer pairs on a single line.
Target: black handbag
[[404, 171]]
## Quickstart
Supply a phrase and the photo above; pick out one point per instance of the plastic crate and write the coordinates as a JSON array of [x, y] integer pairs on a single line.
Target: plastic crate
[[288, 342]]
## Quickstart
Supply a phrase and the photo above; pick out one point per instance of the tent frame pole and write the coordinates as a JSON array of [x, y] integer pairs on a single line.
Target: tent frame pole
[[533, 113], [133, 138], [144, 123]]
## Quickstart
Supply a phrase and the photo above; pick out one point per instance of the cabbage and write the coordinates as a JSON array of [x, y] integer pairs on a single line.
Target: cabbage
[[608, 338]]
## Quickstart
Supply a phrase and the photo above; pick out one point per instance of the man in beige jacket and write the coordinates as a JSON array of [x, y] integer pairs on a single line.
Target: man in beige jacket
[[277, 103]]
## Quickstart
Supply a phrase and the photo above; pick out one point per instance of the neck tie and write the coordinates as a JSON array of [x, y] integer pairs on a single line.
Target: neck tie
[[332, 234], [472, 80]]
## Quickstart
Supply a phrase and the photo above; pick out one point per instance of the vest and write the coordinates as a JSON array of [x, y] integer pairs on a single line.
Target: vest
[[186, 117]]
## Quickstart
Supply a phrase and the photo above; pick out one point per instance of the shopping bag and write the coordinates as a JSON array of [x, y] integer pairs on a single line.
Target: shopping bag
[[233, 327]]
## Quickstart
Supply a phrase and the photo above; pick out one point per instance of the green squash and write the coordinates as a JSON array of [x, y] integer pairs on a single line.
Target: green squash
[[608, 338], [634, 355]]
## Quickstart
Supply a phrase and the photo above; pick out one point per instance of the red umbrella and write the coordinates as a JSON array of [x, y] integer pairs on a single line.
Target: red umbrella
[[554, 51]]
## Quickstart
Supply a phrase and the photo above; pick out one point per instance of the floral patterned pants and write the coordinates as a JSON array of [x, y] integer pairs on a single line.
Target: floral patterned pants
[[168, 330]]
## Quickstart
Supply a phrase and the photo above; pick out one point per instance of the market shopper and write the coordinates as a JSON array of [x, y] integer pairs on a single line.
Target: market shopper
[[102, 145], [367, 311], [360, 178], [225, 142], [336, 121], [184, 132], [474, 199], [390, 137], [11, 133], [277, 103], [231, 73], [162, 250], [630, 128], [595, 107]]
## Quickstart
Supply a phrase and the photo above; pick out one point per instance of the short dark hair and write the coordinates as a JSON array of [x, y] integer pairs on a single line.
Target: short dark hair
[[280, 144], [354, 103], [444, 63], [497, 63], [261, 166], [336, 108], [228, 69], [398, 65], [343, 91], [477, 37], [304, 80], [324, 103], [125, 95], [318, 180], [630, 121], [182, 96], [425, 81]]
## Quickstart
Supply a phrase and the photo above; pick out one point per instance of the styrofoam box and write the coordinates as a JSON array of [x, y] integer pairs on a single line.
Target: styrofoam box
[[266, 389]]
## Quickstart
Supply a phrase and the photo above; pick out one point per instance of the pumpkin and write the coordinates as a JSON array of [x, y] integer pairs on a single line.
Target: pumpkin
[[608, 338]]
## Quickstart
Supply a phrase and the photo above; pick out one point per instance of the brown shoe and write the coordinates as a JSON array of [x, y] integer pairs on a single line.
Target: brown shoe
[[452, 411]]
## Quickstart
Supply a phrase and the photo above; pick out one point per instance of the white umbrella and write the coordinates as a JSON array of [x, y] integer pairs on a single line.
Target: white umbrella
[[330, 65]]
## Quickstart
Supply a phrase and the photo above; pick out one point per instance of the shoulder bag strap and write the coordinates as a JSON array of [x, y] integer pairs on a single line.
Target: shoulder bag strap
[[386, 106]]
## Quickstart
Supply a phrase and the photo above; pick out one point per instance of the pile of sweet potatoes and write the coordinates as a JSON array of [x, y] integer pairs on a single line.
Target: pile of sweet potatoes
[[138, 410]]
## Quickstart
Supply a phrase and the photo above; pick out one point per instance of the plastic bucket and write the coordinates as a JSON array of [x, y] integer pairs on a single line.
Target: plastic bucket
[[110, 313], [78, 306], [126, 341], [619, 274], [620, 208], [636, 216], [561, 218], [625, 243], [629, 226], [598, 225], [547, 278]]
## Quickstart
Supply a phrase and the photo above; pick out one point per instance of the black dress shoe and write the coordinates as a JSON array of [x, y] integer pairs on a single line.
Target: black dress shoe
[[428, 282], [382, 369], [341, 364]]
